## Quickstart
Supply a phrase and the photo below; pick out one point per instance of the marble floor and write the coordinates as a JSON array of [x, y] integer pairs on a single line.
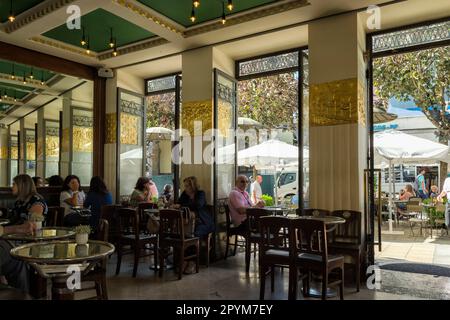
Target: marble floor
[[227, 280]]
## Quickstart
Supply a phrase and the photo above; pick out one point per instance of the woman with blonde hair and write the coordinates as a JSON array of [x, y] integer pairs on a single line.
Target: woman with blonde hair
[[28, 202]]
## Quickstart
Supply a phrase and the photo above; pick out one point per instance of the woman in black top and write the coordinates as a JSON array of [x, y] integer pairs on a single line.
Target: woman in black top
[[28, 202], [195, 200]]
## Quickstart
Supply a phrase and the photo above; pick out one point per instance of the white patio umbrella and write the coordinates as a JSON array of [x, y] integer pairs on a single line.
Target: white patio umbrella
[[270, 153], [248, 122], [392, 146], [159, 133]]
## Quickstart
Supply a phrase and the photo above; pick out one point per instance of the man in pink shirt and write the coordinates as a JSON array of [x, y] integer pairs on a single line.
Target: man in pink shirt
[[239, 201]]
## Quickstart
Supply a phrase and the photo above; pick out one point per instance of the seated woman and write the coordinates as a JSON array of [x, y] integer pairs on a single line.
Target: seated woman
[[144, 191], [71, 196], [97, 197], [28, 203], [434, 191], [195, 200], [405, 195]]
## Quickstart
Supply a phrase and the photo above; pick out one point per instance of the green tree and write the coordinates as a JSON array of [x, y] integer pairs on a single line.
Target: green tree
[[270, 100], [423, 77], [161, 110]]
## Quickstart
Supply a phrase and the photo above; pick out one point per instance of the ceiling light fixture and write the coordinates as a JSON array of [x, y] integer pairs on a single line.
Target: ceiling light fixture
[[83, 38], [24, 79], [224, 19], [196, 3], [193, 14], [42, 78], [13, 76], [88, 49], [11, 16], [15, 96], [31, 75], [230, 5], [115, 53], [111, 40]]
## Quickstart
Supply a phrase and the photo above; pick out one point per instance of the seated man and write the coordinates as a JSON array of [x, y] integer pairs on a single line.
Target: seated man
[[239, 201], [12, 271]]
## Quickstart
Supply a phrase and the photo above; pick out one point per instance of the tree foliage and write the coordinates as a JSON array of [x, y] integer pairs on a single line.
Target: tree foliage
[[161, 110], [270, 100], [422, 76]]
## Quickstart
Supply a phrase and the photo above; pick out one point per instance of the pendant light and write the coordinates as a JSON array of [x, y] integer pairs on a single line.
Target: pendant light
[[230, 5], [11, 16]]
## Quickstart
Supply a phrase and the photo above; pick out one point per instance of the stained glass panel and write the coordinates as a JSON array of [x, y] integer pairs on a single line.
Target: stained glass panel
[[161, 84], [268, 64], [412, 37]]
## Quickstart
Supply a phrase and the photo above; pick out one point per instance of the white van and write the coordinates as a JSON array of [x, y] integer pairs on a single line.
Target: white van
[[287, 184]]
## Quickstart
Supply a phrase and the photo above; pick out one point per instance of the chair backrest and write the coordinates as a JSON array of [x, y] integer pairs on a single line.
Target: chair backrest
[[440, 207], [414, 200], [315, 212], [227, 216], [253, 217], [410, 208], [270, 227], [128, 222], [55, 217], [103, 230], [309, 236], [143, 217], [350, 231], [109, 213], [171, 224]]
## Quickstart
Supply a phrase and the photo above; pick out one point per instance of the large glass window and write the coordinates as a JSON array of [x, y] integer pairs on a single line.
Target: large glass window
[[30, 152], [160, 128], [82, 141], [268, 120], [51, 148], [131, 121]]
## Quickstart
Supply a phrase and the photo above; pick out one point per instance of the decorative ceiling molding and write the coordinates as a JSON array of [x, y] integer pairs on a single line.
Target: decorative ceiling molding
[[137, 9], [36, 84], [11, 101], [241, 18], [35, 13], [63, 46], [134, 47]]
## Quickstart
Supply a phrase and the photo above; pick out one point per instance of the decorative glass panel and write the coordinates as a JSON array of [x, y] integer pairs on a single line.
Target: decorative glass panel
[[161, 84], [412, 37], [225, 145], [131, 141], [82, 144], [51, 148], [30, 152], [268, 64], [14, 156]]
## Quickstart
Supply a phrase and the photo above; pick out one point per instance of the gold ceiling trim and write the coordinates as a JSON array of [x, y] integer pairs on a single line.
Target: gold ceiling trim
[[36, 13], [60, 45], [263, 12], [133, 48], [148, 15]]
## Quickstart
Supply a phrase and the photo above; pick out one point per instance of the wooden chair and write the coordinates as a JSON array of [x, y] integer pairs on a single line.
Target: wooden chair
[[55, 217], [416, 217], [274, 253], [109, 213], [207, 241], [98, 273], [310, 245], [132, 235], [253, 233], [232, 231], [172, 234], [143, 217], [347, 239]]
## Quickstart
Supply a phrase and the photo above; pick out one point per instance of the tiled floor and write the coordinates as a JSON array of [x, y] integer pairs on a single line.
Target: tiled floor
[[226, 280]]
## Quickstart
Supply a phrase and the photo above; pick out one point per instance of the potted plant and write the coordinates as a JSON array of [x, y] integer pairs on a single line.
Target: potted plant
[[37, 219], [82, 234], [268, 200]]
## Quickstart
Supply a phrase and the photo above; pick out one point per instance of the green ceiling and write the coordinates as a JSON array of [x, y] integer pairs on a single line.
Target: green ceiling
[[20, 70], [19, 6], [97, 26], [180, 10]]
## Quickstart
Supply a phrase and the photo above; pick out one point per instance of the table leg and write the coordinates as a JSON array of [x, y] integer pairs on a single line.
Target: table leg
[[60, 290]]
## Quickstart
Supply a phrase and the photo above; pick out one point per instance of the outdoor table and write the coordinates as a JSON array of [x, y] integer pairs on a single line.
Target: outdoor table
[[44, 234], [4, 221], [278, 210], [56, 260]]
